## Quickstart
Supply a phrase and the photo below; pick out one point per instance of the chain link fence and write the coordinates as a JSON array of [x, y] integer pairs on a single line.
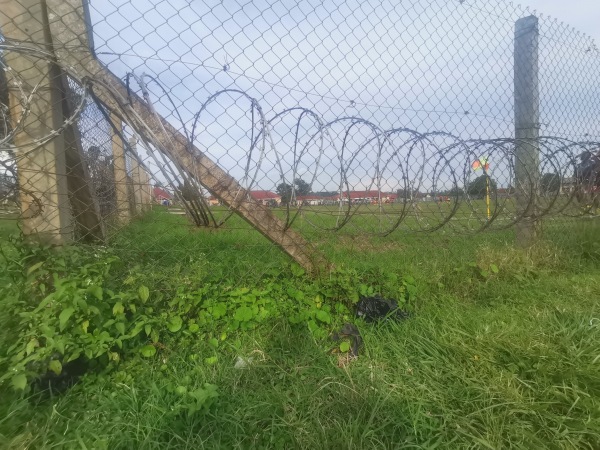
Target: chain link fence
[[215, 129]]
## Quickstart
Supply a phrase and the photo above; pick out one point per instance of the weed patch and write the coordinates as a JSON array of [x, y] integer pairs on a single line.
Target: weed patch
[[500, 349]]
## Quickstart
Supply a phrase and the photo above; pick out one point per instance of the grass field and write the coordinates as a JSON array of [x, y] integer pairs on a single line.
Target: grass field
[[500, 350]]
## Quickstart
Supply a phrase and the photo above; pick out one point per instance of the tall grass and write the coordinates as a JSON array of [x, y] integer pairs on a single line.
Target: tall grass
[[501, 351]]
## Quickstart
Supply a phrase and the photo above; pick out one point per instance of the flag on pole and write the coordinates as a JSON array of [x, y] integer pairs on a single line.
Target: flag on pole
[[481, 163]]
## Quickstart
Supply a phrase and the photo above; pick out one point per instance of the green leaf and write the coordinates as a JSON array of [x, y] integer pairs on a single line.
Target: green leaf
[[219, 310], [211, 360], [344, 347], [297, 270], [175, 324], [139, 326], [243, 314], [120, 326], [213, 342], [55, 366], [19, 381], [60, 345], [148, 351], [64, 317], [148, 329], [118, 308], [194, 327], [409, 280], [31, 346], [144, 293], [96, 291], [323, 316], [34, 268], [494, 268]]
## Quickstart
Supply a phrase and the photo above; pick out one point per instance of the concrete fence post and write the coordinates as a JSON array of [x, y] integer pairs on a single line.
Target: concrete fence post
[[42, 172], [136, 175], [120, 169], [527, 126]]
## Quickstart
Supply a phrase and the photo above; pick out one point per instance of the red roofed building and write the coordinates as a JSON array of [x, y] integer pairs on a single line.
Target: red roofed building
[[161, 196], [312, 200], [265, 197]]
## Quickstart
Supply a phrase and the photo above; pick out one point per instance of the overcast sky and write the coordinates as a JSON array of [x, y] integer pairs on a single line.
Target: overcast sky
[[584, 15], [428, 65]]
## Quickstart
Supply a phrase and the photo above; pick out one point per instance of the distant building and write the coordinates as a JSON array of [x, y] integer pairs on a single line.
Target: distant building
[[366, 197], [162, 196], [426, 197], [266, 197], [213, 201], [310, 200]]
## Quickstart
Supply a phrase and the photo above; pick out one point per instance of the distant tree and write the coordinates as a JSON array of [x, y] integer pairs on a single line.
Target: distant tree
[[477, 187], [325, 193], [454, 192], [550, 183], [285, 190], [302, 187], [403, 194]]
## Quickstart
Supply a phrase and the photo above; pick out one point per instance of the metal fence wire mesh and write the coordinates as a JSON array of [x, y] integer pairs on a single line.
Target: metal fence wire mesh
[[311, 121]]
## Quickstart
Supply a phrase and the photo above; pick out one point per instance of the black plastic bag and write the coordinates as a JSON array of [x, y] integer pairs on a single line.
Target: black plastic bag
[[349, 330], [373, 309]]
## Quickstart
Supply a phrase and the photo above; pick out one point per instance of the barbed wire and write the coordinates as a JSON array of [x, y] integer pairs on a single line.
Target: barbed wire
[[360, 177]]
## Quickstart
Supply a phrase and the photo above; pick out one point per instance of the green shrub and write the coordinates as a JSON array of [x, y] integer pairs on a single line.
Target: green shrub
[[62, 309], [78, 303]]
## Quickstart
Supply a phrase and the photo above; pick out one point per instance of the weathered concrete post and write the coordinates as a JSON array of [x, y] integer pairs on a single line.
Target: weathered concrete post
[[527, 126], [136, 175], [45, 205], [120, 169]]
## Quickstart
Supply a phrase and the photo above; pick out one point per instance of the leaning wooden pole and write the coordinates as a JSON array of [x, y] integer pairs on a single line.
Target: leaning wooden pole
[[69, 34]]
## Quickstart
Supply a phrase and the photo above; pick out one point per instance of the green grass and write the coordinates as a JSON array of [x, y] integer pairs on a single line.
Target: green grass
[[488, 359]]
